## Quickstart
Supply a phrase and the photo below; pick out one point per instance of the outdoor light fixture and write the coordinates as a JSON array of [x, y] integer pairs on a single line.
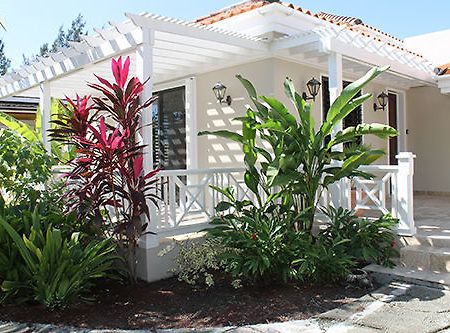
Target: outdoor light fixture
[[220, 90], [382, 100], [313, 88]]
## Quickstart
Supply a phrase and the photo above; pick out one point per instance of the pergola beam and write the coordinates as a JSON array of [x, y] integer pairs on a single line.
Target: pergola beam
[[197, 31]]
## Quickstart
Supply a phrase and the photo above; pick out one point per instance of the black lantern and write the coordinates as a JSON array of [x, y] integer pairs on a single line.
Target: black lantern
[[220, 90], [382, 101], [313, 86]]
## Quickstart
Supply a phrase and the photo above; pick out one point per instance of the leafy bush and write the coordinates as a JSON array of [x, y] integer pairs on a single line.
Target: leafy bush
[[259, 243], [198, 262], [369, 240], [38, 263], [25, 168]]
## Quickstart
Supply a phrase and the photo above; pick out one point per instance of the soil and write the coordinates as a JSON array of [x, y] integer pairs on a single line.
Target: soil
[[173, 304]]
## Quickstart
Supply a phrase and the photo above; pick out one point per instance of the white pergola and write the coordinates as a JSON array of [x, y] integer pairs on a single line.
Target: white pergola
[[165, 49]]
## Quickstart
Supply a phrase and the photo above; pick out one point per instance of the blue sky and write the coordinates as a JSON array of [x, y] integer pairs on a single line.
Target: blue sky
[[30, 23]]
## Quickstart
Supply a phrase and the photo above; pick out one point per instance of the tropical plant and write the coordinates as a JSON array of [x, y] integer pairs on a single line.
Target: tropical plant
[[62, 153], [48, 267], [302, 162], [108, 186], [25, 169], [198, 262], [260, 243], [321, 261], [368, 240]]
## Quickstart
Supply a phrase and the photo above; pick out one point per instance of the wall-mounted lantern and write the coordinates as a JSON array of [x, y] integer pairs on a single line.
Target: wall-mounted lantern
[[382, 101], [220, 91], [313, 86]]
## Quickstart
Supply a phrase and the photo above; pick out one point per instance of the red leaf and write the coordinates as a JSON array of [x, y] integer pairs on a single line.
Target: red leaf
[[137, 166]]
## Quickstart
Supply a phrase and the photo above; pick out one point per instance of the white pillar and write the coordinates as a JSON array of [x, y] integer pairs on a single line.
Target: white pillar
[[335, 81], [45, 104], [144, 72], [191, 123], [340, 191], [405, 194]]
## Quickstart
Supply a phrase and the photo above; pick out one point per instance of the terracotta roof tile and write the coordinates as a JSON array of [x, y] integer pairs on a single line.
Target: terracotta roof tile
[[443, 69], [350, 23]]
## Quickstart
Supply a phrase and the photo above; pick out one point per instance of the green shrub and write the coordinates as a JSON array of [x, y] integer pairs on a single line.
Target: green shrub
[[25, 168], [198, 262], [260, 243], [323, 262], [45, 266], [369, 240]]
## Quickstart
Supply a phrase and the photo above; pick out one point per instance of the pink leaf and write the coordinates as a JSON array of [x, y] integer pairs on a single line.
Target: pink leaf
[[137, 166]]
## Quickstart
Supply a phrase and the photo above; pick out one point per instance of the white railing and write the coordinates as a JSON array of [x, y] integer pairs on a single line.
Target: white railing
[[390, 191], [188, 201]]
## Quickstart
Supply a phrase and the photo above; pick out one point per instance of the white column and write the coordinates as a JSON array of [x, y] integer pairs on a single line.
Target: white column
[[405, 194], [144, 72], [191, 123], [335, 81], [340, 191], [45, 104]]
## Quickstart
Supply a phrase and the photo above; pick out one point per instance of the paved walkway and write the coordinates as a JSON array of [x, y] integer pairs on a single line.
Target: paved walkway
[[395, 308], [432, 215]]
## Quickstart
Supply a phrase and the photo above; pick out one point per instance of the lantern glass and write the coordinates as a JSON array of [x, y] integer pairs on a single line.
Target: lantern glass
[[220, 91], [383, 99], [313, 86]]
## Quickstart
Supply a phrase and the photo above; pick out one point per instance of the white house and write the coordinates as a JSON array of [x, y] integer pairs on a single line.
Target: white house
[[264, 41]]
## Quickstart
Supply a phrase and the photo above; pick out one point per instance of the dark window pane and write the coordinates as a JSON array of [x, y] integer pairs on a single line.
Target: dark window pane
[[169, 130]]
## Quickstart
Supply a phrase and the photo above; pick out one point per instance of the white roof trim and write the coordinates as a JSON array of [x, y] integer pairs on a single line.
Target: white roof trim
[[186, 48], [201, 44], [354, 45]]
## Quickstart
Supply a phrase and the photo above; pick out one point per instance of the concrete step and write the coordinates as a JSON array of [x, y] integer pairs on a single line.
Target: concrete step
[[384, 275], [425, 258], [428, 239]]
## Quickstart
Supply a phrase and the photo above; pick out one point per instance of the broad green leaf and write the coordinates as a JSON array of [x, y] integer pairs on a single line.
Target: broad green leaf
[[347, 95], [19, 127], [224, 134]]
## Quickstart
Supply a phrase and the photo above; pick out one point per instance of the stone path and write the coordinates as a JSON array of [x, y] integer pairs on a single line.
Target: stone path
[[397, 307]]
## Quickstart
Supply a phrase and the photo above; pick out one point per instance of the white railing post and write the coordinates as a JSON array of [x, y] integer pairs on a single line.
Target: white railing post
[[404, 191]]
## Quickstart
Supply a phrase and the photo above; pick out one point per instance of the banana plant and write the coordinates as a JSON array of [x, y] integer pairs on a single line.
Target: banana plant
[[59, 152], [302, 161]]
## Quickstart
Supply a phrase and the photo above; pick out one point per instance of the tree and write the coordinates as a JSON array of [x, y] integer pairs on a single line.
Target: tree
[[5, 63], [74, 33]]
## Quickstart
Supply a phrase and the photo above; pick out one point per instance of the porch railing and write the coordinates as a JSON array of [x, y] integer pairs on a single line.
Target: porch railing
[[188, 201]]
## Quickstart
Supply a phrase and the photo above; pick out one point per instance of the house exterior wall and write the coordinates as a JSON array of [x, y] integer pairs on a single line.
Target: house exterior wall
[[428, 120], [268, 77]]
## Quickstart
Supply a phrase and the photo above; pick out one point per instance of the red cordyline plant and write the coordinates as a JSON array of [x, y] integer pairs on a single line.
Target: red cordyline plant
[[107, 186]]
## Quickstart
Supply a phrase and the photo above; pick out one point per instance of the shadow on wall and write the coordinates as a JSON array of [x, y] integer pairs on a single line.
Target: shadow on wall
[[222, 152]]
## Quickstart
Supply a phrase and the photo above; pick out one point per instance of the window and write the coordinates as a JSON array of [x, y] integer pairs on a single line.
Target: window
[[169, 129], [353, 119]]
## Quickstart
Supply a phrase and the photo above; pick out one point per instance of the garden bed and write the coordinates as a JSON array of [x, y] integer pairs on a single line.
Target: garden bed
[[172, 304]]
